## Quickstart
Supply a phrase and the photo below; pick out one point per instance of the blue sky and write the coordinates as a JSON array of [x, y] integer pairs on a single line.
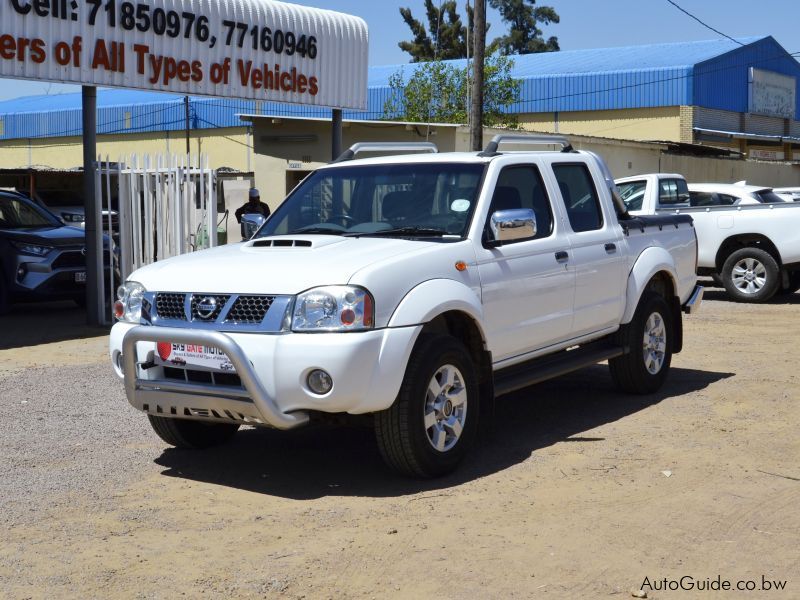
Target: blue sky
[[584, 24]]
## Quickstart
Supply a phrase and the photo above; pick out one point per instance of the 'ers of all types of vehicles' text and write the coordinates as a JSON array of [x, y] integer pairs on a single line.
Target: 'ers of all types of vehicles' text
[[412, 288]]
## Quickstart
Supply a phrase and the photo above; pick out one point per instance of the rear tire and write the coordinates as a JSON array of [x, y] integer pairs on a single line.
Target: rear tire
[[434, 420], [648, 338], [751, 275], [183, 433]]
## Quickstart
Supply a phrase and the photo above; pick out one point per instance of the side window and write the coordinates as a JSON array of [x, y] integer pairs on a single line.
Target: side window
[[522, 187], [726, 200], [580, 196], [683, 191]]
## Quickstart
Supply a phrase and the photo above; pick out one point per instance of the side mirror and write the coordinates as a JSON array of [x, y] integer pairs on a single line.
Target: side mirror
[[251, 223], [511, 225]]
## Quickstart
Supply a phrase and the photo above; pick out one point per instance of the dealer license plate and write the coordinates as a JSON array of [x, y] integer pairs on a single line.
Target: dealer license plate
[[80, 277], [192, 355]]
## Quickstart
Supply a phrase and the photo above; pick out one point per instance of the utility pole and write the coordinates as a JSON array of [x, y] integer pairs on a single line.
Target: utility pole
[[186, 115], [95, 302], [478, 51]]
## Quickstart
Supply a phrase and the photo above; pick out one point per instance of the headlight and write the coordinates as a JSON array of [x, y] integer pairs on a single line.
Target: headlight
[[334, 308], [128, 306], [32, 248], [72, 217]]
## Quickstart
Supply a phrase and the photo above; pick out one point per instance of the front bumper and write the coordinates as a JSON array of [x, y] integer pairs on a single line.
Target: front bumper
[[366, 367]]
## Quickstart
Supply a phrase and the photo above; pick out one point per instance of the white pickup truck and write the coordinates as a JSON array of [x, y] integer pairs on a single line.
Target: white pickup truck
[[752, 249], [412, 288]]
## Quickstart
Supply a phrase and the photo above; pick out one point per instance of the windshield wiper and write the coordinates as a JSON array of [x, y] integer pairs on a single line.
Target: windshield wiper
[[318, 229], [404, 231]]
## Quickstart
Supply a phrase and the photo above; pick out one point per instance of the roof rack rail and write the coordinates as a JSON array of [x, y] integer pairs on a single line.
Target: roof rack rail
[[396, 147], [557, 140]]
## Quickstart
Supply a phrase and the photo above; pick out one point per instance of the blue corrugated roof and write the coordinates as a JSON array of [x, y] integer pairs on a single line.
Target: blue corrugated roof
[[701, 73], [598, 60]]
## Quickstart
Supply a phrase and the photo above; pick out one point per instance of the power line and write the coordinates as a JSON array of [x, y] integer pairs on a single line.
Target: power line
[[704, 24]]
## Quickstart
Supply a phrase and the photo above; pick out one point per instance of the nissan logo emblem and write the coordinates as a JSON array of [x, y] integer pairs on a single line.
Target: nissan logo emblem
[[206, 307]]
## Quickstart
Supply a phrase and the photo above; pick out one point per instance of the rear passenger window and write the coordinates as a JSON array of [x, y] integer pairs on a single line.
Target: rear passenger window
[[522, 187], [580, 196]]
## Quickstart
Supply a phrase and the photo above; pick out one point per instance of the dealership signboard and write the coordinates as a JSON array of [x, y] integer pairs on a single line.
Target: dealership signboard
[[772, 94], [246, 49]]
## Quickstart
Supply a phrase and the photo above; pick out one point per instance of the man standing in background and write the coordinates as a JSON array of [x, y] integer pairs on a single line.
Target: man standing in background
[[252, 206]]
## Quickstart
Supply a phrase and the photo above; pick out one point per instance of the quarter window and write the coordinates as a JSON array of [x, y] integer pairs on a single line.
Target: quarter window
[[580, 197]]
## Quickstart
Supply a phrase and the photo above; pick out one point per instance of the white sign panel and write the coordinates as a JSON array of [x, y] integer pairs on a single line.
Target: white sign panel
[[772, 94], [766, 154], [250, 49]]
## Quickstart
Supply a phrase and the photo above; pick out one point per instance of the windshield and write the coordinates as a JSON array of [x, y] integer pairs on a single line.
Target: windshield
[[632, 193], [768, 197], [409, 200], [15, 213]]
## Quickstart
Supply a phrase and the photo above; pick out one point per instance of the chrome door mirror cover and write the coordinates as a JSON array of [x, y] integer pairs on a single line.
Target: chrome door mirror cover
[[251, 223], [512, 225]]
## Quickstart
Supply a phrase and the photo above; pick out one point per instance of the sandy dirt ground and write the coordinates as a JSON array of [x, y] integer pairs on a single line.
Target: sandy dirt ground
[[578, 492]]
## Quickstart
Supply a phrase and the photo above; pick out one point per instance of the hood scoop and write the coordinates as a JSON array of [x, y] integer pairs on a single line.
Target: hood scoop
[[282, 243]]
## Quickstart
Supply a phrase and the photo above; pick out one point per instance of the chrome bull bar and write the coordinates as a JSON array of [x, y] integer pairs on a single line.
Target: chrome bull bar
[[139, 391]]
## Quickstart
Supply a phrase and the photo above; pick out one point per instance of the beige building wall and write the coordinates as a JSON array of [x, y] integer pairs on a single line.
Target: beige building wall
[[287, 149], [660, 123], [228, 147]]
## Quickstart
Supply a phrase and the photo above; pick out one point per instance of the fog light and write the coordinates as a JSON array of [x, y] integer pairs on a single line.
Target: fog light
[[21, 272], [319, 381]]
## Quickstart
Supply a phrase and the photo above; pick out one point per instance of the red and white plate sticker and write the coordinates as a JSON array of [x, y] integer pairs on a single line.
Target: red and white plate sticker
[[182, 355]]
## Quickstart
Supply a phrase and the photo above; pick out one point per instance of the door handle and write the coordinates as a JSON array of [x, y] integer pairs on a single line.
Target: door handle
[[611, 248], [562, 256]]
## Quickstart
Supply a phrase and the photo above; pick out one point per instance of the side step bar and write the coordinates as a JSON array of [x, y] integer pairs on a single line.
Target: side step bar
[[541, 369]]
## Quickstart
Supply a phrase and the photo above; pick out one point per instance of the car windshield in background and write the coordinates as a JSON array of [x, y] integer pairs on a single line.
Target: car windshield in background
[[632, 194], [15, 213], [768, 197], [427, 200]]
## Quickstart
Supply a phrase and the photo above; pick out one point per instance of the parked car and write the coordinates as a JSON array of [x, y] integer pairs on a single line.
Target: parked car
[[747, 240], [412, 288], [731, 194], [789, 193], [41, 258]]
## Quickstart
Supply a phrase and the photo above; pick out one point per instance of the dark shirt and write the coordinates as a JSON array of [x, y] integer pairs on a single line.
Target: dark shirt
[[249, 208]]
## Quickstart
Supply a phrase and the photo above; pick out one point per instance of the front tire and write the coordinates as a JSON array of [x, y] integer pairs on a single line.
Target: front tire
[[751, 275], [434, 420], [649, 339], [183, 433]]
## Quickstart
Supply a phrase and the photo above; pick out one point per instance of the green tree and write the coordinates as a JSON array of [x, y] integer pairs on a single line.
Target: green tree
[[437, 92], [448, 35], [523, 18]]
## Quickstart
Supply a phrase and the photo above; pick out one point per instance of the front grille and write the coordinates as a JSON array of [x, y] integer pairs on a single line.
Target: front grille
[[249, 309], [170, 306], [197, 299], [226, 312], [70, 259]]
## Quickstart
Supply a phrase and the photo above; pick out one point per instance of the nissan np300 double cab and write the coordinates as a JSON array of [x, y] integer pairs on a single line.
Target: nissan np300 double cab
[[415, 288]]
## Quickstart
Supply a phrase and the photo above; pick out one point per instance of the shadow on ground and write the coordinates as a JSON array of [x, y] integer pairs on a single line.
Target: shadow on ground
[[713, 293], [31, 324], [317, 461]]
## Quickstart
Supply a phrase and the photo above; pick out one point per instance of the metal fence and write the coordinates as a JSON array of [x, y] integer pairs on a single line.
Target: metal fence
[[153, 208]]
